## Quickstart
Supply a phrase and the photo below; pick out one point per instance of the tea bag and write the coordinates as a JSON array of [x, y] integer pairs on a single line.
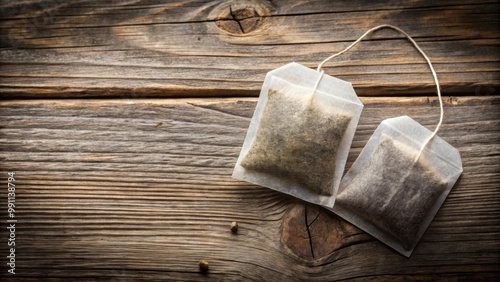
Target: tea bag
[[391, 192], [300, 134], [400, 179]]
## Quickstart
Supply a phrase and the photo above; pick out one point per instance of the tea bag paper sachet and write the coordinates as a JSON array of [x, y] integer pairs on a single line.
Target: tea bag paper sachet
[[300, 134], [389, 192], [400, 179]]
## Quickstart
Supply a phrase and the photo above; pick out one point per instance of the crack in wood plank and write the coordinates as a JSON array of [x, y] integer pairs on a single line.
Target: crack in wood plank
[[219, 111], [236, 19], [309, 231]]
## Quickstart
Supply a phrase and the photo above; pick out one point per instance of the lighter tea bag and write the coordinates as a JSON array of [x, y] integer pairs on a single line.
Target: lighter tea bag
[[299, 136], [391, 191], [302, 146]]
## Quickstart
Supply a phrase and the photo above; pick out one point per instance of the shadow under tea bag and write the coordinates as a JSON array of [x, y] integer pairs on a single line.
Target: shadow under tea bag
[[400, 179], [300, 134]]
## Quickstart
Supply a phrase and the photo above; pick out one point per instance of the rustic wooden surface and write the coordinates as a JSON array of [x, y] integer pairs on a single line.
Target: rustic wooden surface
[[156, 48], [129, 189]]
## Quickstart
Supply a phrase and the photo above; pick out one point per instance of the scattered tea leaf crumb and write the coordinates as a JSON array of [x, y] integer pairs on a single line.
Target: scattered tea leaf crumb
[[203, 266], [234, 227]]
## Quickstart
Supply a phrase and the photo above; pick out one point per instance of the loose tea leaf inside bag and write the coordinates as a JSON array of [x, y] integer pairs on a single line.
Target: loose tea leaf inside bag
[[299, 141], [401, 190], [300, 134], [400, 179]]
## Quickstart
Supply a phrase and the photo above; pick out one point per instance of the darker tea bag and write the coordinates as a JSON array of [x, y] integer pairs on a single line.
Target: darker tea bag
[[398, 183], [297, 140], [397, 195]]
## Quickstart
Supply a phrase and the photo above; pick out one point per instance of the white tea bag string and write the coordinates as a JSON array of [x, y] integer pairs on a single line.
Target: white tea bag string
[[434, 75], [317, 82]]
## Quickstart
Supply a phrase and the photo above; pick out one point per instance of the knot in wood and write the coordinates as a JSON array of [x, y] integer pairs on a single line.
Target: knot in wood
[[312, 233], [237, 20]]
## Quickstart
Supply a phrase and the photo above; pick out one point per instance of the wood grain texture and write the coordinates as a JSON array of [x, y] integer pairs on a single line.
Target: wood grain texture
[[142, 189], [153, 48]]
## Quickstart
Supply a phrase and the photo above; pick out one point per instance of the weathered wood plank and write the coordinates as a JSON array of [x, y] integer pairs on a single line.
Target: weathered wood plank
[[135, 189], [139, 48]]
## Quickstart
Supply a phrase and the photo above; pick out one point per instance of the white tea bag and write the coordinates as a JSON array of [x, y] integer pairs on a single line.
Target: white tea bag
[[400, 179], [393, 193], [300, 134]]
